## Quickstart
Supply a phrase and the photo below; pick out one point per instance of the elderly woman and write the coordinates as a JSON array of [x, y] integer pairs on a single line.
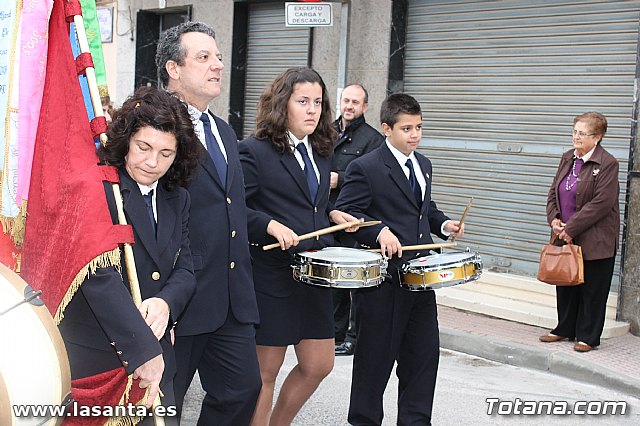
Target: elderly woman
[[582, 207], [154, 147]]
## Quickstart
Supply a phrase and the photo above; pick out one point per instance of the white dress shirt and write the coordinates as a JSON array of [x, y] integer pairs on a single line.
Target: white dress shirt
[[198, 126], [294, 142], [144, 189]]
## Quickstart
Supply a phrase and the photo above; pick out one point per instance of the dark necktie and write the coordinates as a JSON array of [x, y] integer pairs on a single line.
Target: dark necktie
[[148, 200], [415, 186], [214, 150], [312, 180]]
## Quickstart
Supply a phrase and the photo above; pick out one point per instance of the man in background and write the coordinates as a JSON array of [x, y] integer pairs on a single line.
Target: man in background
[[355, 138]]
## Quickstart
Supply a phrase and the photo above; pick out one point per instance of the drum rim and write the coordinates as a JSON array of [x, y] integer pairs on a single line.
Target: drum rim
[[321, 282], [471, 258], [52, 331], [5, 401]]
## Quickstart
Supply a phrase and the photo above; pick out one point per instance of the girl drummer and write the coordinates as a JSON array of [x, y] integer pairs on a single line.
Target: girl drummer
[[286, 166]]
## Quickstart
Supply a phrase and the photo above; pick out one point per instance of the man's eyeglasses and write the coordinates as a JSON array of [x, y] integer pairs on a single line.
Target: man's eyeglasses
[[582, 134]]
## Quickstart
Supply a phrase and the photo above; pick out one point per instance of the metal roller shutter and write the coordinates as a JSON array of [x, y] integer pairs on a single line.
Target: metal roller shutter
[[499, 83], [271, 48]]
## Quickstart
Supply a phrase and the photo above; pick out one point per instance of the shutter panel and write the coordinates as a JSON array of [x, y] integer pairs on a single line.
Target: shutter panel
[[271, 48], [499, 83]]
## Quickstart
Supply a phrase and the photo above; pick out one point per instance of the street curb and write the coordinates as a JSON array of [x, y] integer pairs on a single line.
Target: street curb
[[521, 355]]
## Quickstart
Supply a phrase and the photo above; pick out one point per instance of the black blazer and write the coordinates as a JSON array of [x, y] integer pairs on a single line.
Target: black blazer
[[102, 328], [220, 245], [376, 188], [358, 139], [276, 188]]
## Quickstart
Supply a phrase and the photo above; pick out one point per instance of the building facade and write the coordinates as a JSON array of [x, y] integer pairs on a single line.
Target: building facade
[[499, 83]]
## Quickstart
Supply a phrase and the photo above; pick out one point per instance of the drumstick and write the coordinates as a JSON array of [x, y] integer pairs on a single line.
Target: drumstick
[[464, 215], [357, 223], [423, 247]]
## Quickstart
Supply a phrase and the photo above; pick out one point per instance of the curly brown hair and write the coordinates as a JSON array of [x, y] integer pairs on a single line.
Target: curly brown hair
[[271, 120], [151, 107]]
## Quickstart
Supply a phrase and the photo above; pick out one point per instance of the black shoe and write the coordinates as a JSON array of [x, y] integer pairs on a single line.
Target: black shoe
[[345, 348]]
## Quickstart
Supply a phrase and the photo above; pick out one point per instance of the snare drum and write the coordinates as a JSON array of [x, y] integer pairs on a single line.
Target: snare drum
[[441, 270], [340, 267], [34, 368]]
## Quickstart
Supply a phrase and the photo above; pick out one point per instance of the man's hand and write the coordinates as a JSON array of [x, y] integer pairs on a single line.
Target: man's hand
[[150, 374], [285, 236], [455, 228], [155, 312], [389, 244], [333, 180]]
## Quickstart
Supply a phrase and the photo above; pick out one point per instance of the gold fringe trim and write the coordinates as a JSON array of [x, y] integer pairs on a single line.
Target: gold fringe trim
[[104, 260], [127, 421]]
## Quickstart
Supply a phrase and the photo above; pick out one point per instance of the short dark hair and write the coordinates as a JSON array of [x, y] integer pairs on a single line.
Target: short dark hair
[[170, 46], [366, 94], [596, 122], [151, 107], [396, 104], [271, 120]]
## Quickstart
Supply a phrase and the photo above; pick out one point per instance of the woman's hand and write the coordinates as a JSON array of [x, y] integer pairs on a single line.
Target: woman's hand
[[285, 236], [155, 312], [558, 226], [565, 237], [339, 217]]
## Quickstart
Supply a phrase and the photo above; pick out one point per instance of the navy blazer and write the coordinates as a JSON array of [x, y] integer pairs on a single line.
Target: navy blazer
[[276, 188], [219, 244], [376, 188], [102, 328]]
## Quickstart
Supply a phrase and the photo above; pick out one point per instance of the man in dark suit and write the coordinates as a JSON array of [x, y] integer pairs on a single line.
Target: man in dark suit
[[216, 335], [355, 138], [393, 184]]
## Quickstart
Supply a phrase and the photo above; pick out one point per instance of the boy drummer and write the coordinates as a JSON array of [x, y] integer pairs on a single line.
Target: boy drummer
[[393, 184]]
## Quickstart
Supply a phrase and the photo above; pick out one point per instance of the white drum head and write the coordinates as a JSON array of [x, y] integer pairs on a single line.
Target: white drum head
[[342, 255], [33, 361]]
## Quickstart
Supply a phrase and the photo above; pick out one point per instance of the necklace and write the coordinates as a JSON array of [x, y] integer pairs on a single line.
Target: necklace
[[573, 173]]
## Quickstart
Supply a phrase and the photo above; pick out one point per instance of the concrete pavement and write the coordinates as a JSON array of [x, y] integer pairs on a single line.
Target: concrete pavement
[[614, 364]]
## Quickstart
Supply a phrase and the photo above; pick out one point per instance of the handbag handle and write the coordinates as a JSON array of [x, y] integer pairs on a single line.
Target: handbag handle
[[555, 237]]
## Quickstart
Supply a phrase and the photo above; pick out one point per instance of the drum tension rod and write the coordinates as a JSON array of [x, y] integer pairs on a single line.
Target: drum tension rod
[[30, 296]]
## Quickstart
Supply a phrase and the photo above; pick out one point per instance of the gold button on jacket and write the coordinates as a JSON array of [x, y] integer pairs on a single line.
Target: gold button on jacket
[[155, 276]]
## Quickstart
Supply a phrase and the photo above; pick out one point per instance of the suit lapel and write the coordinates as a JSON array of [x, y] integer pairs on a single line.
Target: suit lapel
[[422, 161], [209, 167], [167, 207], [291, 164], [230, 143], [138, 217], [397, 174], [323, 163]]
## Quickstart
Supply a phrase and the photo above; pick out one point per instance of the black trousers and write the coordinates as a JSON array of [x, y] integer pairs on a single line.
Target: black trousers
[[582, 308], [344, 315], [394, 325], [227, 363]]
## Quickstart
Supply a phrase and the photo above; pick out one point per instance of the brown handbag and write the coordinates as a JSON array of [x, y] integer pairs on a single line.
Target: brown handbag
[[561, 265]]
